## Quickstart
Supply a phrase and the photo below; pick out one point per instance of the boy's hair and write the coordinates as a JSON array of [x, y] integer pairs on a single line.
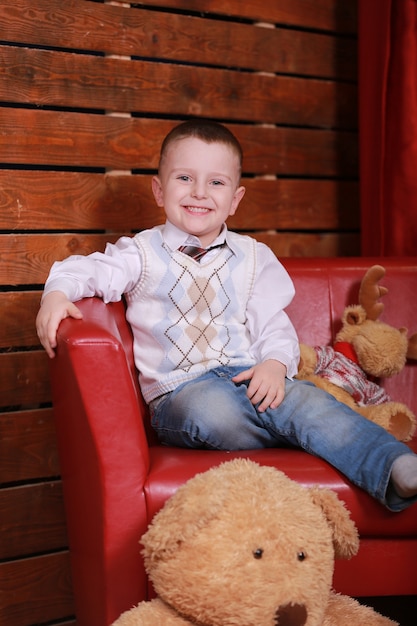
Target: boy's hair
[[206, 130]]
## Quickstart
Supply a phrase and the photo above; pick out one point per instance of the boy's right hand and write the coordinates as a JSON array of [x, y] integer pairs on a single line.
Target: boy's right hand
[[55, 307]]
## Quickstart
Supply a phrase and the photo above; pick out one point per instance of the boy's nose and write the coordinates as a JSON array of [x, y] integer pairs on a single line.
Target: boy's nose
[[199, 191]]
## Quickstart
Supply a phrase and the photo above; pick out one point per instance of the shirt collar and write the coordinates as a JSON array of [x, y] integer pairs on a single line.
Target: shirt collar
[[174, 237]]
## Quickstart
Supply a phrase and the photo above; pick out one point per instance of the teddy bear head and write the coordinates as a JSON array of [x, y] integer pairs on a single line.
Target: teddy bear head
[[244, 544], [380, 349]]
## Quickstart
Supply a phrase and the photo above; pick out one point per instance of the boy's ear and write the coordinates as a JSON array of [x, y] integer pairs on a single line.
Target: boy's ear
[[157, 191], [238, 195]]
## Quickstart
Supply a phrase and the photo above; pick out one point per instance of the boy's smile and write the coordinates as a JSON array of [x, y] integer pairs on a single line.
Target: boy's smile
[[198, 186]]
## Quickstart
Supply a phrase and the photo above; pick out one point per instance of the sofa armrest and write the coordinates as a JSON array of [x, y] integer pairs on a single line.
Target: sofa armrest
[[104, 453]]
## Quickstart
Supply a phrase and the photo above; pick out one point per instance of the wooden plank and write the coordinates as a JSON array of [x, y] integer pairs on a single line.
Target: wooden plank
[[79, 140], [28, 448], [311, 245], [18, 311], [32, 519], [320, 14], [76, 201], [27, 259], [83, 140], [298, 151], [52, 78], [24, 379], [67, 200], [36, 590], [169, 36], [298, 205]]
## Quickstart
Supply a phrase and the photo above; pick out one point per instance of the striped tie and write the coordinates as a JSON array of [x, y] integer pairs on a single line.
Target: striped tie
[[195, 252]]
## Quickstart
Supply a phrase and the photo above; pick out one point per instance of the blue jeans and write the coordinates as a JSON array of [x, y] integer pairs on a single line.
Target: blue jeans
[[212, 412]]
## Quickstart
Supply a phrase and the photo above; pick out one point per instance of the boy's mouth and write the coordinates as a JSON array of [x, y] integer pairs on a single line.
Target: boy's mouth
[[197, 209]]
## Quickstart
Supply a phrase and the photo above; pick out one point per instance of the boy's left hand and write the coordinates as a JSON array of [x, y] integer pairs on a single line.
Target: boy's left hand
[[267, 383]]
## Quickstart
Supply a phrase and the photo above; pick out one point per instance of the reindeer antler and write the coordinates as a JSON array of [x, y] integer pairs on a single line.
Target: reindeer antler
[[370, 292]]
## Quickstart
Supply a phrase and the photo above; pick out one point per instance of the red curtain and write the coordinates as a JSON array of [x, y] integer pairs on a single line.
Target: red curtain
[[388, 126]]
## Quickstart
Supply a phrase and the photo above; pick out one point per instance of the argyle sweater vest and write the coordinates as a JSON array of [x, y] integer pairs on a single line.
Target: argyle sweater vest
[[188, 318]]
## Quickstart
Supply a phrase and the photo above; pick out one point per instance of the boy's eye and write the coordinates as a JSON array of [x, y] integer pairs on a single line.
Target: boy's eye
[[217, 182], [184, 177]]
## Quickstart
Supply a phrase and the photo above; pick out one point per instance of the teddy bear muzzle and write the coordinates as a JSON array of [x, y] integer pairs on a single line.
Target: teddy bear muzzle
[[291, 615]]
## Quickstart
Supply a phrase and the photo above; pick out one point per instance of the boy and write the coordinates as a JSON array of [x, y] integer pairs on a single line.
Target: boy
[[214, 347]]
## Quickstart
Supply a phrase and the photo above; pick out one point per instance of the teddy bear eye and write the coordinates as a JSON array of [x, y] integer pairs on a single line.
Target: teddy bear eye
[[301, 556], [257, 554]]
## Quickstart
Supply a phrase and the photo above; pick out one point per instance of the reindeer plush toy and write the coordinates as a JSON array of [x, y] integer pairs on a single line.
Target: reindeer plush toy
[[365, 350]]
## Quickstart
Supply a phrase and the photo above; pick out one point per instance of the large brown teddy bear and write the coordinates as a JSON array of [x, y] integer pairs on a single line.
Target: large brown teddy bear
[[365, 351], [243, 545]]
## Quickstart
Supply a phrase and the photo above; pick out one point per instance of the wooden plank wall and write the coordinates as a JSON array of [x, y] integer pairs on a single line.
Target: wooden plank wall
[[87, 91]]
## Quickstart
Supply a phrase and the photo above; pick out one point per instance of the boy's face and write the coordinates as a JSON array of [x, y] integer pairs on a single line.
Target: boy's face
[[198, 186]]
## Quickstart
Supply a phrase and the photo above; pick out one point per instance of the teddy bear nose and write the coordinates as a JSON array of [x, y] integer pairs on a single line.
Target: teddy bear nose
[[291, 615]]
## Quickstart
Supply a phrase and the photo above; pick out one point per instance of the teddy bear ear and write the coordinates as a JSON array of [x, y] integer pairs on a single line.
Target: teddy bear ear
[[354, 315], [345, 534]]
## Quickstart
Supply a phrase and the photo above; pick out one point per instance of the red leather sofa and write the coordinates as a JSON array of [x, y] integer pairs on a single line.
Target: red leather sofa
[[116, 476]]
